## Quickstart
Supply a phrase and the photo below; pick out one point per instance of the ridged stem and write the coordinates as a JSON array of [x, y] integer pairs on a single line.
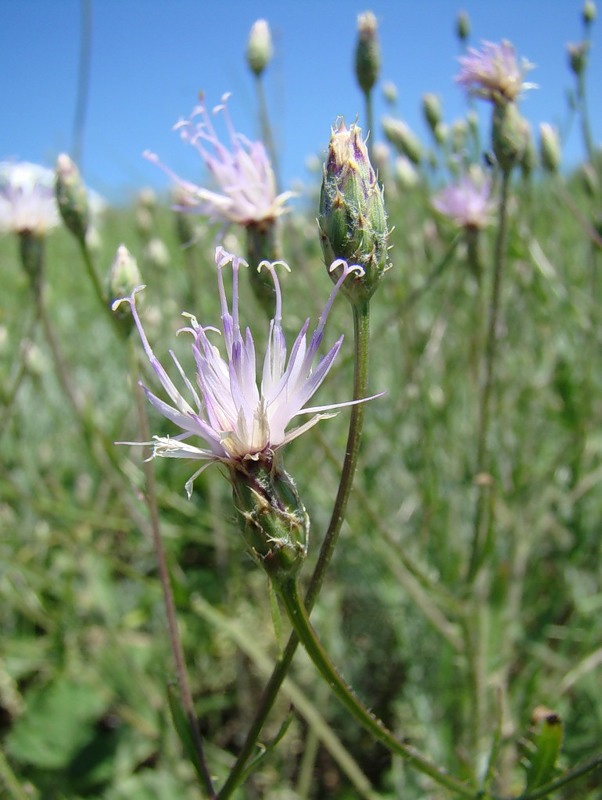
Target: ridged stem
[[289, 594], [483, 518], [175, 641], [361, 328], [266, 129]]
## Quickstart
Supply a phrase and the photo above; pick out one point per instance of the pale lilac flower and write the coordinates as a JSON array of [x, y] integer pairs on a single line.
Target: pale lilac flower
[[27, 202], [235, 418], [246, 185], [493, 72], [467, 202]]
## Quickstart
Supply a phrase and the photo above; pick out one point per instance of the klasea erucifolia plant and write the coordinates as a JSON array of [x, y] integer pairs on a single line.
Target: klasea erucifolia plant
[[232, 419]]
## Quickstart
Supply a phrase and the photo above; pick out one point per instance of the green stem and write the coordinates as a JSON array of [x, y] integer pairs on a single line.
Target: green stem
[[9, 398], [361, 328], [9, 780], [266, 130], [483, 517], [83, 81], [87, 258], [168, 598], [370, 125], [289, 594], [569, 777], [584, 117]]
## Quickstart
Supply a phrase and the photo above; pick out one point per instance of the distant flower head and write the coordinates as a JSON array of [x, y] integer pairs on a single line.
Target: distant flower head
[[259, 46], [578, 53], [27, 202], [494, 73], [467, 202], [235, 419], [246, 185]]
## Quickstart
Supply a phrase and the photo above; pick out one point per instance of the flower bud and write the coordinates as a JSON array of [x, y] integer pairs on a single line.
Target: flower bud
[[259, 47], [589, 179], [402, 138], [458, 135], [463, 27], [406, 173], [549, 147], [528, 160], [352, 217], [390, 92], [273, 520], [72, 197], [578, 56], [124, 277], [31, 249], [589, 12], [509, 135], [367, 53], [431, 108]]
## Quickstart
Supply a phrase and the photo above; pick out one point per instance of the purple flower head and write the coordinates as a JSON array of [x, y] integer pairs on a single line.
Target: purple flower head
[[467, 202], [236, 418], [27, 201], [245, 183], [494, 73]]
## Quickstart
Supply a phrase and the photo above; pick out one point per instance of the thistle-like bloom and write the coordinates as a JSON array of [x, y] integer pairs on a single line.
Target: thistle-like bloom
[[468, 202], [243, 174], [27, 202], [494, 73], [236, 420]]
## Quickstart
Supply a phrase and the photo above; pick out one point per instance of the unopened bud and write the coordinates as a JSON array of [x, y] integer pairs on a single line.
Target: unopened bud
[[403, 139], [156, 253], [147, 198], [352, 217], [441, 133], [578, 56], [124, 277], [463, 27], [509, 135], [259, 47], [458, 135], [431, 108], [406, 173], [31, 248], [72, 197], [367, 53], [528, 160], [273, 520], [390, 92], [549, 147], [589, 12], [589, 179]]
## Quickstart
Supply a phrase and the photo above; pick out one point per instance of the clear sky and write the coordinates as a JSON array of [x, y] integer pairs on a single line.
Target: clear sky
[[150, 58]]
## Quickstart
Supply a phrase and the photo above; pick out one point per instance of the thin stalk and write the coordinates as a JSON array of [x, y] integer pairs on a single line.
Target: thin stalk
[[305, 780], [370, 125], [266, 129], [10, 782], [9, 398], [361, 330], [297, 614], [586, 132], [569, 777], [83, 81], [175, 641], [483, 516], [98, 291]]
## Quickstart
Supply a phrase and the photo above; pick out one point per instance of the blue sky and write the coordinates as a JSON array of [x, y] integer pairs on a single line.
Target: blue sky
[[150, 58]]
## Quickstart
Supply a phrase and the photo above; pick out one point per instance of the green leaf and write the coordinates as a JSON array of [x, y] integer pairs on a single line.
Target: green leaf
[[58, 721]]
